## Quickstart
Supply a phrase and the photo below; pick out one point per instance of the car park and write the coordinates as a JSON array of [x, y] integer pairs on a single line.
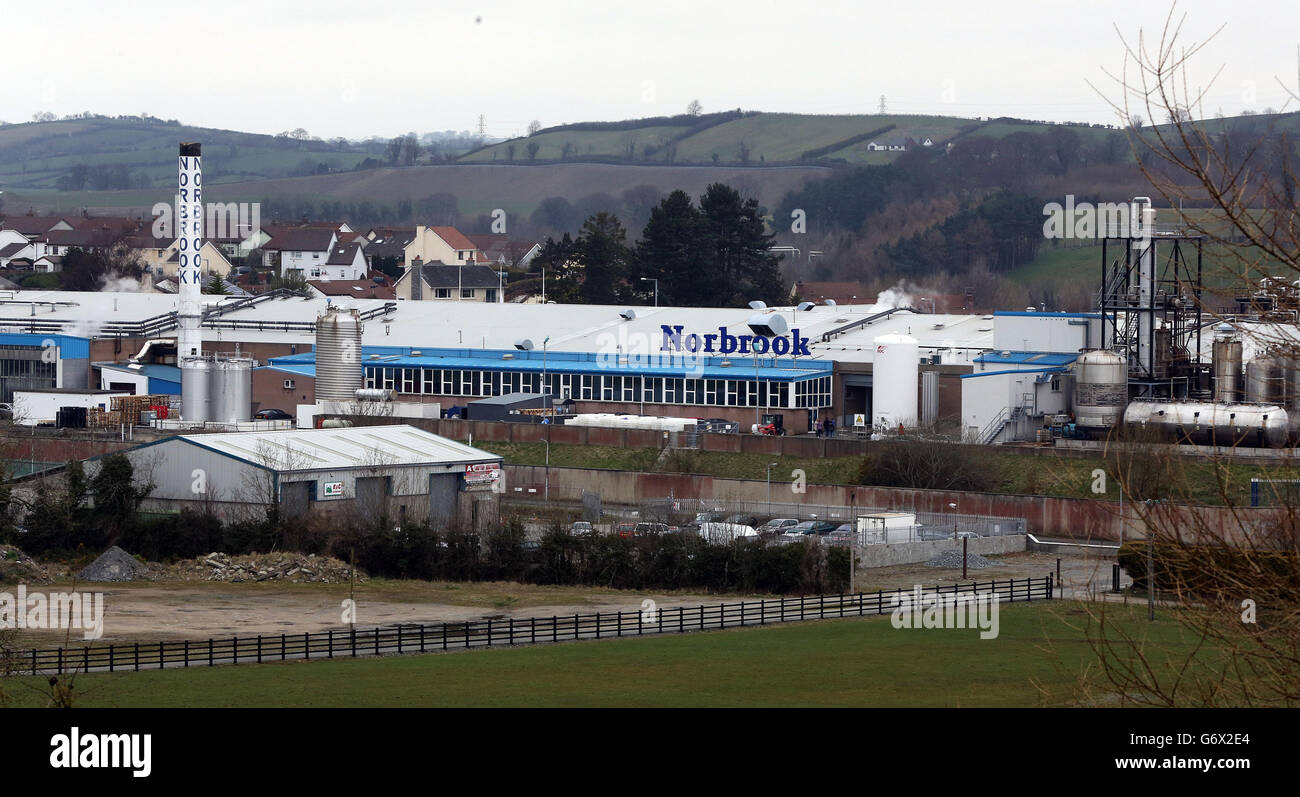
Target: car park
[[778, 525]]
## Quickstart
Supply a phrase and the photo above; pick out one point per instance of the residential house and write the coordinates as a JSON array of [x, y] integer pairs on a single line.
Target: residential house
[[441, 245], [299, 250], [356, 289], [502, 251], [443, 282], [346, 262]]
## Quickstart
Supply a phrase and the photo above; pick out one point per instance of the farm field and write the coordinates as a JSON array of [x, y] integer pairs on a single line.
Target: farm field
[[1040, 658]]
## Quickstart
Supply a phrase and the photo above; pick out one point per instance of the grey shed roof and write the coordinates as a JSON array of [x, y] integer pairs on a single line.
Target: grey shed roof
[[511, 398], [291, 450]]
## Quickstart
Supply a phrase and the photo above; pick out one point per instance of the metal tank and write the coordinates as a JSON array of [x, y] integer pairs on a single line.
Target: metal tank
[[929, 398], [895, 375], [1227, 365], [1164, 351], [339, 374], [232, 389], [1266, 381], [1100, 389], [1210, 423], [196, 387]]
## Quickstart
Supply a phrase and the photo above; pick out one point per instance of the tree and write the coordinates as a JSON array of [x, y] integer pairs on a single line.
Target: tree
[[556, 260], [673, 249], [601, 252], [116, 496], [533, 147], [743, 266], [216, 286], [694, 108], [533, 127]]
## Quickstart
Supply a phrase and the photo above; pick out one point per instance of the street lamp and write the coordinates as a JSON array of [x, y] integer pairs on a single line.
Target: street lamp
[[770, 465], [501, 293], [656, 282], [526, 344]]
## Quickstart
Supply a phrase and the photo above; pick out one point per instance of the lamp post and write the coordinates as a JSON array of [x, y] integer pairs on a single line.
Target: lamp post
[[526, 344], [770, 465], [656, 282]]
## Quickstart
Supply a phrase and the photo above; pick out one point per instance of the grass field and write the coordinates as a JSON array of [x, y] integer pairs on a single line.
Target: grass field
[[1038, 659]]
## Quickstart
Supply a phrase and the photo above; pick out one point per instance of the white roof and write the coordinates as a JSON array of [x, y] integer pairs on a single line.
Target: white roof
[[480, 325], [289, 450]]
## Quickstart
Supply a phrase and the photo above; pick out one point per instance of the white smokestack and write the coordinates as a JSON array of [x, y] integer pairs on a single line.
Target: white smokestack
[[189, 341]]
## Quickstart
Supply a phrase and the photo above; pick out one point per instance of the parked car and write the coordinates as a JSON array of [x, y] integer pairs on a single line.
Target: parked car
[[844, 534], [808, 528], [582, 528], [777, 525], [625, 529], [647, 529], [741, 519], [272, 415], [727, 532], [708, 517]]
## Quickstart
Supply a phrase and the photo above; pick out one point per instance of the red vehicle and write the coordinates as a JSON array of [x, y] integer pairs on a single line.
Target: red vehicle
[[626, 529]]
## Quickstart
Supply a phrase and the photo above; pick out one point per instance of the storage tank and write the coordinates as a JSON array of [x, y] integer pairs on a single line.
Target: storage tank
[[1227, 365], [929, 398], [196, 390], [1212, 423], [232, 390], [1100, 389], [1266, 381], [339, 373], [895, 374]]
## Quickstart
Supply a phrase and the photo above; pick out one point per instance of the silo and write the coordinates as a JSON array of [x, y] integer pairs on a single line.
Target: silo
[[232, 389], [1227, 366], [1100, 389], [929, 398], [338, 355], [196, 390], [895, 372], [1265, 380]]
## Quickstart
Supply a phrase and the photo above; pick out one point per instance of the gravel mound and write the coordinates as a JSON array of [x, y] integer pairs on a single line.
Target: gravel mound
[[17, 567], [114, 564], [953, 559]]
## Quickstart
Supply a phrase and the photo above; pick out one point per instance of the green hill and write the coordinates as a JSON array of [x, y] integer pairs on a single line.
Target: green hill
[[35, 155]]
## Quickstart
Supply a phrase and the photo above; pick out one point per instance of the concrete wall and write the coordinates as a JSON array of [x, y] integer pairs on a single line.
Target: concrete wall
[[911, 552]]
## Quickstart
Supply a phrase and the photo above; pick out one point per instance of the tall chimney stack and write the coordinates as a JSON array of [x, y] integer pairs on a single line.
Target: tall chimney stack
[[189, 277]]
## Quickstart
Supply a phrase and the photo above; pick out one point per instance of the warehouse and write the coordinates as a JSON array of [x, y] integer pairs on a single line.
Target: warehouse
[[357, 474]]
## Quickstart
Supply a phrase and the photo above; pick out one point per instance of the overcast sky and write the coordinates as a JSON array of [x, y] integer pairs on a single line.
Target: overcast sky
[[353, 69]]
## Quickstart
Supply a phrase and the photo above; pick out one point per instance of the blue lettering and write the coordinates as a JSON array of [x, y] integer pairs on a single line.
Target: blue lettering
[[780, 346], [672, 338], [800, 344], [728, 342], [744, 343], [692, 343], [708, 342], [760, 345]]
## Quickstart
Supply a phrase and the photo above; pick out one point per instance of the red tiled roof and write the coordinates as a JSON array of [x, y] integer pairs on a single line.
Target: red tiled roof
[[361, 289], [454, 238]]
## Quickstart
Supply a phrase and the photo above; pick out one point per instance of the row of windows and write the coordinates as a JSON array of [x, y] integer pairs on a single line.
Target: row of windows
[[602, 387]]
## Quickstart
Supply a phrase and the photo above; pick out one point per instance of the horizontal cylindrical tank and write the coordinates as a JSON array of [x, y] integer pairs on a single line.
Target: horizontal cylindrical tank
[[1208, 423], [374, 394], [1100, 389]]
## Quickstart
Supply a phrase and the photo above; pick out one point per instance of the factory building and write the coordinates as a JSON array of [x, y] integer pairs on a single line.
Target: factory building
[[42, 362], [363, 473]]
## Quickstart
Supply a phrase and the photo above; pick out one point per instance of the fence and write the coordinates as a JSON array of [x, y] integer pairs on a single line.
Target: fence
[[403, 639], [929, 525]]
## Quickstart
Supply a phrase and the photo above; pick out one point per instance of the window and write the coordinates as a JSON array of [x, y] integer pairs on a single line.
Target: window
[[429, 379], [491, 294], [467, 293], [442, 293]]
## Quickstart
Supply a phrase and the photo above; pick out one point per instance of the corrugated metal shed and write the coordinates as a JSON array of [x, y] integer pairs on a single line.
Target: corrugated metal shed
[[340, 449]]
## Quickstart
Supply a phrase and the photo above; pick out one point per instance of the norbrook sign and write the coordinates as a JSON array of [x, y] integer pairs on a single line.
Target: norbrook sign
[[725, 343]]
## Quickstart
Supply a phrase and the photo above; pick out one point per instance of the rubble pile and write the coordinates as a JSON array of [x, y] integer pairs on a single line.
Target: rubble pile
[[291, 567], [17, 567], [952, 559]]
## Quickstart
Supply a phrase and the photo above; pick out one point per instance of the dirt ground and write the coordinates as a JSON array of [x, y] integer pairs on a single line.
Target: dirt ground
[[167, 611]]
